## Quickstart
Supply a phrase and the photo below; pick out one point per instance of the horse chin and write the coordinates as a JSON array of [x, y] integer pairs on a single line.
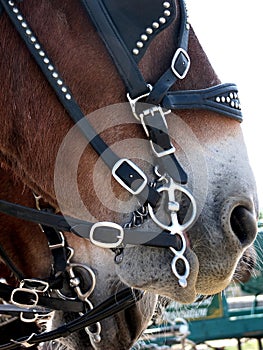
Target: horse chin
[[140, 269]]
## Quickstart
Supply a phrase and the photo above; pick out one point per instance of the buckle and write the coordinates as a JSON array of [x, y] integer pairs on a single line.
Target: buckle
[[160, 154], [151, 112], [16, 299], [180, 63], [106, 226], [34, 284], [61, 244], [129, 176], [133, 101]]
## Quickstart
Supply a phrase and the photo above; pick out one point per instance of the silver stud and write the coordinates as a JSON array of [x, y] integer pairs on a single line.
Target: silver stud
[[228, 100], [162, 20], [139, 44], [11, 3], [28, 32], [33, 39], [64, 89], [37, 46], [24, 25], [19, 17], [218, 99], [223, 99], [41, 53], [15, 10], [167, 13], [68, 96], [237, 105], [149, 30], [46, 60], [166, 4], [135, 51], [55, 75], [233, 104], [155, 25], [50, 67], [231, 95], [144, 37]]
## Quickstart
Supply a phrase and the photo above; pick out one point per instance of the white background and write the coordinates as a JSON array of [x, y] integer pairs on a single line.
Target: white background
[[231, 33]]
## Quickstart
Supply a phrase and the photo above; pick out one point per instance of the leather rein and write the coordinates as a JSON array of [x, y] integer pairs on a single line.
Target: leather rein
[[125, 53]]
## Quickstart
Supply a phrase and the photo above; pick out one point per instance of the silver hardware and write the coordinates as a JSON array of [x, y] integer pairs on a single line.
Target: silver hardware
[[176, 55], [162, 20], [167, 13], [33, 293], [175, 228], [58, 245], [24, 343], [135, 51], [133, 101], [122, 183], [166, 4], [83, 296], [149, 31], [106, 224], [42, 285], [28, 320], [155, 25]]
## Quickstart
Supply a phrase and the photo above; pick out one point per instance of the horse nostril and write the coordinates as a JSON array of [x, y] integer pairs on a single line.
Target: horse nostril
[[243, 224]]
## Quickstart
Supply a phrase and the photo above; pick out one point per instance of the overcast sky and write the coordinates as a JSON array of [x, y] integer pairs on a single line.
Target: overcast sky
[[231, 32]]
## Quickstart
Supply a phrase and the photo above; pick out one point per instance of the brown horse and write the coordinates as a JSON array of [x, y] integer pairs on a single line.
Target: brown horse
[[36, 131]]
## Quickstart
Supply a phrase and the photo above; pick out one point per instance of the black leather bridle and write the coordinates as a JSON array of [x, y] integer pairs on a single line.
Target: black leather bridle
[[126, 53]]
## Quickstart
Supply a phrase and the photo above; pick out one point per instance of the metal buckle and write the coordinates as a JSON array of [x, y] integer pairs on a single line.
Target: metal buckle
[[58, 245], [33, 300], [34, 284], [151, 111], [133, 101], [180, 51], [134, 167], [106, 224], [161, 153]]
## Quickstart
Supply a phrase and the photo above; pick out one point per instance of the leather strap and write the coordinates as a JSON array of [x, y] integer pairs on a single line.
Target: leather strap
[[122, 58], [221, 98], [114, 304], [82, 228], [148, 194], [179, 65]]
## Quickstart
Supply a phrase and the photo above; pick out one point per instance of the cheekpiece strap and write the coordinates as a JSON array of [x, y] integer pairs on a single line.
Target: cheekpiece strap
[[221, 98]]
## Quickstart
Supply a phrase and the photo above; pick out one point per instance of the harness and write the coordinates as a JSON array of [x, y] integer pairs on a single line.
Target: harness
[[126, 45]]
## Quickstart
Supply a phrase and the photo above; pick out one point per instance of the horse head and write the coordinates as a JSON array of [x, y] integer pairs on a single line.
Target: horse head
[[211, 216]]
